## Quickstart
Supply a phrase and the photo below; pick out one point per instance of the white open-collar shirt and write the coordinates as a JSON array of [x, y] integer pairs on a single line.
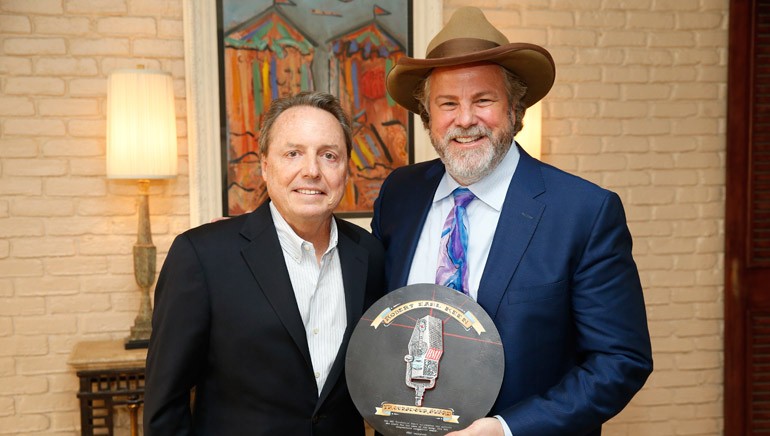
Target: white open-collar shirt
[[319, 291]]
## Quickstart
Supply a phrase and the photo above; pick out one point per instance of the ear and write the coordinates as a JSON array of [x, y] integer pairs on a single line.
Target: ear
[[263, 166]]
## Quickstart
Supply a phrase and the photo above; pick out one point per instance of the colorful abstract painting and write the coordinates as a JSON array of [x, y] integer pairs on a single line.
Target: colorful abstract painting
[[276, 48]]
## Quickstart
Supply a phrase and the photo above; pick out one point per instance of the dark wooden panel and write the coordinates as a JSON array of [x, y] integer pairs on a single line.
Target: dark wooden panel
[[759, 171], [747, 221], [759, 374]]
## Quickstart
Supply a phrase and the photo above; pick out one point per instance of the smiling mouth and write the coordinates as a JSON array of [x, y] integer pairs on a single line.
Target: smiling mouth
[[467, 139], [309, 192]]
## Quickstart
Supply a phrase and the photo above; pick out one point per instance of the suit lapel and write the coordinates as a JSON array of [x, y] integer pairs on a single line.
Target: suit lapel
[[519, 218], [419, 200], [263, 254], [354, 263]]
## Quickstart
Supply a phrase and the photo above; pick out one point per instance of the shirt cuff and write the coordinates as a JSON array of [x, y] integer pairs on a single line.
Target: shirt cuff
[[506, 429]]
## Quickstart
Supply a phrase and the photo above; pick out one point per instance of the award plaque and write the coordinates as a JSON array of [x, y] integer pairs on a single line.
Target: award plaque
[[424, 360]]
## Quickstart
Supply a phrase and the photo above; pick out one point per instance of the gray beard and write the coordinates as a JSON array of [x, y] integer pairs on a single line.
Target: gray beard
[[470, 166]]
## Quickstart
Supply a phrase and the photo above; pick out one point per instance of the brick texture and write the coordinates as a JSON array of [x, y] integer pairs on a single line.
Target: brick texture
[[66, 231], [638, 106]]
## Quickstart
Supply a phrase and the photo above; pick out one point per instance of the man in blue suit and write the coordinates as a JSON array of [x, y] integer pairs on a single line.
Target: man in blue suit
[[545, 253]]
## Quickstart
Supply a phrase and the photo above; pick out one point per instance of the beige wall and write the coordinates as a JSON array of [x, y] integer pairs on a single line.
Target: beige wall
[[638, 107]]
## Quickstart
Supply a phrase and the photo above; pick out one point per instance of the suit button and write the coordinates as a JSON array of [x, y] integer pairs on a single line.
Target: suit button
[[315, 419]]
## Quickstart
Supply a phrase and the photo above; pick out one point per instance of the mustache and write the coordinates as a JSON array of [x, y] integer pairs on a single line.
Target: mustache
[[457, 132]]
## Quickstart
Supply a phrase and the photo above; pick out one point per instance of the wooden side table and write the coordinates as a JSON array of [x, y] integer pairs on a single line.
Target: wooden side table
[[109, 376]]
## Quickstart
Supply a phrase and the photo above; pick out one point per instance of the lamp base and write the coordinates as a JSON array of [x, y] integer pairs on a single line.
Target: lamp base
[[144, 272], [140, 334], [133, 344]]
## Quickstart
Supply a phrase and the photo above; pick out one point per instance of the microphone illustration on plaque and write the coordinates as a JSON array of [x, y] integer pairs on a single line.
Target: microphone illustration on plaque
[[425, 349]]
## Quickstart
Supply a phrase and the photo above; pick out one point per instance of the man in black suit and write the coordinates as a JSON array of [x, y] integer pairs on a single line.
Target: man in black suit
[[255, 312]]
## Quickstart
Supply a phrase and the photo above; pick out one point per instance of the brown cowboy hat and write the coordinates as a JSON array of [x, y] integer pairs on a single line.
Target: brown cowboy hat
[[468, 37]]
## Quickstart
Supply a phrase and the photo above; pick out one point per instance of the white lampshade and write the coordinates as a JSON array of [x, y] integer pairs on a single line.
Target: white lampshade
[[530, 136], [141, 125]]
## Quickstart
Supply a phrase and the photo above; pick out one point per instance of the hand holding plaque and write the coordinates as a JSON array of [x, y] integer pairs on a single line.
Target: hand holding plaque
[[424, 360]]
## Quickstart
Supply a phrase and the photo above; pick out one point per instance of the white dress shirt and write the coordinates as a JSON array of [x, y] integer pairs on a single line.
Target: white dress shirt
[[483, 215], [319, 292]]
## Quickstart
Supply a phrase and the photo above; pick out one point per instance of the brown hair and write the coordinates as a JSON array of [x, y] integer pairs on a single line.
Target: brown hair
[[320, 100]]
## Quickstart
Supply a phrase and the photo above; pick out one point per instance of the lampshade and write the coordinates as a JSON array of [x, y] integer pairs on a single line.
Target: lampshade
[[141, 125], [530, 136]]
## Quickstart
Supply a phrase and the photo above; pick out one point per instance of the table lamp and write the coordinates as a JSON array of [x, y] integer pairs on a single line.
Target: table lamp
[[141, 145], [530, 136]]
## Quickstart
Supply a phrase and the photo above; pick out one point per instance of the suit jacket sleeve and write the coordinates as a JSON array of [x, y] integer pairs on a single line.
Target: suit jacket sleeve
[[178, 346], [612, 340]]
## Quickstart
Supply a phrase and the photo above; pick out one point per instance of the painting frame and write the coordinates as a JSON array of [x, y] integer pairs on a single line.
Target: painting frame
[[202, 102]]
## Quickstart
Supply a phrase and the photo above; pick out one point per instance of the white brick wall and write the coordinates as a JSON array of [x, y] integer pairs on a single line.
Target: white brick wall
[[638, 107], [66, 232]]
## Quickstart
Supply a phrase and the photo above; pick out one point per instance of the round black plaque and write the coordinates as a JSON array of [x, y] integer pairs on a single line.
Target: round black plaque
[[424, 360]]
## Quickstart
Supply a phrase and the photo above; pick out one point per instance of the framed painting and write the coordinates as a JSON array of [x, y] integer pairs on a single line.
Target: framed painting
[[206, 179], [275, 48]]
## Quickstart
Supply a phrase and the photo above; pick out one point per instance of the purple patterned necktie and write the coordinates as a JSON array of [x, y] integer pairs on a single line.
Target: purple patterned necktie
[[452, 267]]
